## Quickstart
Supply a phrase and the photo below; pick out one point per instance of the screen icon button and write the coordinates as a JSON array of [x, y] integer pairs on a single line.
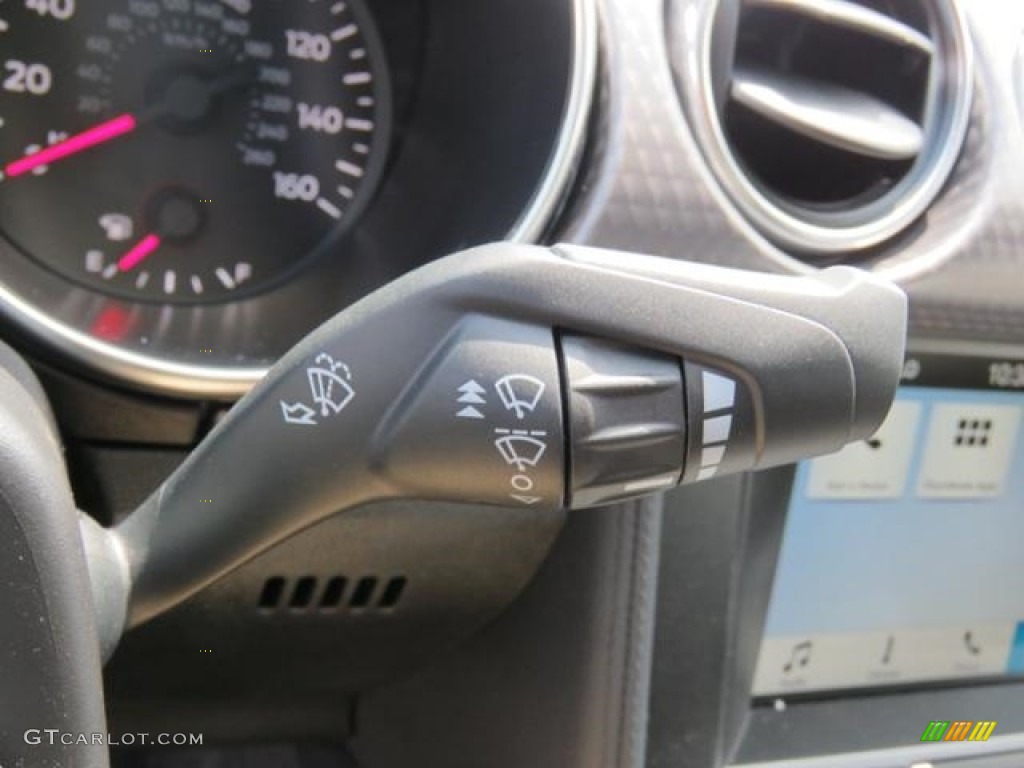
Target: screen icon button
[[968, 450], [875, 468]]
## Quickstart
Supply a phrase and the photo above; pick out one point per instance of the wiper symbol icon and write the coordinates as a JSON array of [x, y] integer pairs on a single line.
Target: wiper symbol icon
[[520, 393], [520, 450], [329, 388], [330, 391]]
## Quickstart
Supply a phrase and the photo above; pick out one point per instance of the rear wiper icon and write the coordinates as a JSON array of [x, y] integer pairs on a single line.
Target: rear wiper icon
[[520, 393]]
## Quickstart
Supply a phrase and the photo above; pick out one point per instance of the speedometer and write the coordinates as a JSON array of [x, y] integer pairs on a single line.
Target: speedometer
[[186, 150]]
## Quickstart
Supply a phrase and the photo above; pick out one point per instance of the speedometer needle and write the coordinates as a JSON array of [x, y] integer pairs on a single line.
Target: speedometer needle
[[139, 253], [178, 105], [96, 135]]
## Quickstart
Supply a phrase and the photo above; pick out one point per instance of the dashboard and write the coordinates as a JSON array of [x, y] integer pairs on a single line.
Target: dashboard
[[187, 187]]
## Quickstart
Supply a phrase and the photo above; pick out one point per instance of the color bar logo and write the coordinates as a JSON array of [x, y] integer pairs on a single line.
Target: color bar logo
[[958, 730]]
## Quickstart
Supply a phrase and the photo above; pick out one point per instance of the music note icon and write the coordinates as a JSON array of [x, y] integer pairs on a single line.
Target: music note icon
[[800, 657]]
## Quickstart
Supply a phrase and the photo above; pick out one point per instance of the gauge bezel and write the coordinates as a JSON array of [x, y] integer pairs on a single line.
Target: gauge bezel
[[172, 350]]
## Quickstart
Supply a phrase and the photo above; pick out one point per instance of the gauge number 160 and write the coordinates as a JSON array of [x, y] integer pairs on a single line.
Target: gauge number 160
[[293, 186]]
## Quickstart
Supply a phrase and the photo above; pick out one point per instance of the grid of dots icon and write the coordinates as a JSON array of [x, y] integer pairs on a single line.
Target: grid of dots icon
[[973, 433]]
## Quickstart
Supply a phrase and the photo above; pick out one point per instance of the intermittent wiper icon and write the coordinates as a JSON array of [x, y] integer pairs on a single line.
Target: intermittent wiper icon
[[520, 393], [520, 448]]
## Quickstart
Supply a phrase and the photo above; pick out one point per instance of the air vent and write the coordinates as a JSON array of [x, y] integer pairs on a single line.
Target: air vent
[[831, 124], [310, 594]]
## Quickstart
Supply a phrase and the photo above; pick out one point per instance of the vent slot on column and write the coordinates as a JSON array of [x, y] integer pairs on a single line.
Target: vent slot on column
[[331, 595]]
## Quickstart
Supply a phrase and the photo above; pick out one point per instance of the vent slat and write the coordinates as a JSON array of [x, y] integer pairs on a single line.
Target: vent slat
[[830, 114], [270, 597], [302, 594], [392, 593], [333, 593], [855, 17], [363, 593]]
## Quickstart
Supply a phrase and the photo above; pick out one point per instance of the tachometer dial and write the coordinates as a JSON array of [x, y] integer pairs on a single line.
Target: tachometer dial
[[186, 150]]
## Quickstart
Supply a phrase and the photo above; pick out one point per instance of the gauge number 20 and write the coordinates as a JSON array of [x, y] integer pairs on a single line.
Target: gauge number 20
[[27, 77]]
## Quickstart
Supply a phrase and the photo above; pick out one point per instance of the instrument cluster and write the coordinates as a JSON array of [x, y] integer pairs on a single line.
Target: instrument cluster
[[189, 186]]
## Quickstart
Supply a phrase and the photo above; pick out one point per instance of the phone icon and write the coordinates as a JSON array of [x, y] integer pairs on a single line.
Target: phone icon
[[972, 647]]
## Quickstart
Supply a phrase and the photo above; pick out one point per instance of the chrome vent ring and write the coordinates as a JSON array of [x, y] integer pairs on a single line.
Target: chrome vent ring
[[830, 124]]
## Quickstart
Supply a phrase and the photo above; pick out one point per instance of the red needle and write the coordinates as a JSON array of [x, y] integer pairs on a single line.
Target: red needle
[[99, 134], [139, 253]]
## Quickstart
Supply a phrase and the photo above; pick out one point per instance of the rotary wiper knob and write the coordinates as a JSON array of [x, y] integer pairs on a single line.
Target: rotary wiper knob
[[627, 421]]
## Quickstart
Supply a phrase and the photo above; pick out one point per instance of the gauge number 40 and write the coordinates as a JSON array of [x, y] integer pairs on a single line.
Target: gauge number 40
[[62, 10]]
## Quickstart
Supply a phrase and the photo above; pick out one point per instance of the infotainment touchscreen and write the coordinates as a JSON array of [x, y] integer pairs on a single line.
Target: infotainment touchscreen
[[903, 557]]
